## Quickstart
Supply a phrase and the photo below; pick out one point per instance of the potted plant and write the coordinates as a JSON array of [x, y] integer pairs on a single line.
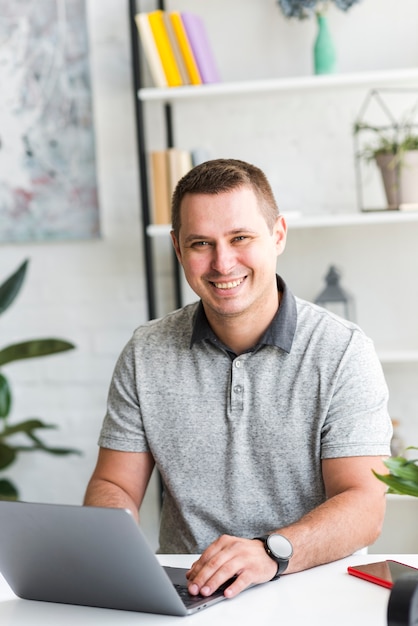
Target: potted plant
[[402, 478], [12, 434], [393, 146]]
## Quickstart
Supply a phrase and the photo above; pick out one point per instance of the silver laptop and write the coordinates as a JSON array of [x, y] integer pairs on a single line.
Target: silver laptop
[[89, 556]]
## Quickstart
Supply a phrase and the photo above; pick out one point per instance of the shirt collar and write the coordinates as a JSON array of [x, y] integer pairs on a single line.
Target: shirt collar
[[280, 333]]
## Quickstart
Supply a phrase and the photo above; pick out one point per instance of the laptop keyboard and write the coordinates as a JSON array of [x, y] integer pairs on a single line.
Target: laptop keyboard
[[191, 601], [188, 600]]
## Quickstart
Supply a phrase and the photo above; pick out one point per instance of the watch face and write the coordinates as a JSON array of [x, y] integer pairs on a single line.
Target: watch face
[[280, 546]]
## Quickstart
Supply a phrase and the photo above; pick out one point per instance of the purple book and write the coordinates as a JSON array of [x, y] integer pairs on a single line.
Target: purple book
[[202, 51]]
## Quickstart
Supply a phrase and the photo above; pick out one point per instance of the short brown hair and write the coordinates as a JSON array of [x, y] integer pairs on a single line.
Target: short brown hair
[[222, 175]]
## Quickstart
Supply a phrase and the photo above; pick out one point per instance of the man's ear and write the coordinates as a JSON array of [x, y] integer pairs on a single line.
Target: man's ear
[[280, 234], [176, 246]]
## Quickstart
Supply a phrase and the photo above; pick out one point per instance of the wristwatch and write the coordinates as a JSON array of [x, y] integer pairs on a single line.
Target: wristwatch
[[279, 549]]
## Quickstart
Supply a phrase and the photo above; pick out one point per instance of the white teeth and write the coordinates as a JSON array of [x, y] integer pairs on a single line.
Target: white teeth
[[230, 285]]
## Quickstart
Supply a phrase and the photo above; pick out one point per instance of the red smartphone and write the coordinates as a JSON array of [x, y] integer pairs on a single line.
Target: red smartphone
[[384, 573]]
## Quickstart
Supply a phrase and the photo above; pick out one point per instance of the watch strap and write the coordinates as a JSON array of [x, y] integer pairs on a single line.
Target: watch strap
[[281, 563]]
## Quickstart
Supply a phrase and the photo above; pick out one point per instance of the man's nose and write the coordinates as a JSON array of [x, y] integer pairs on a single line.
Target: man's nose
[[223, 260]]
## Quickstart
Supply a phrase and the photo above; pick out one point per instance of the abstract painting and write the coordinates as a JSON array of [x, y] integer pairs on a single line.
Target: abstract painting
[[48, 187]]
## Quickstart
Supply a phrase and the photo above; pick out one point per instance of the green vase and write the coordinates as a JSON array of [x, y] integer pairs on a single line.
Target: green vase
[[324, 49]]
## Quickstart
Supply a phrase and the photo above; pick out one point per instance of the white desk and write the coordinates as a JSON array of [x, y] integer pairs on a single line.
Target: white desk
[[323, 596]]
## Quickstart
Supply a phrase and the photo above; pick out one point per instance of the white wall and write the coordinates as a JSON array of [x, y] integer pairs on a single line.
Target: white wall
[[400, 530], [93, 294]]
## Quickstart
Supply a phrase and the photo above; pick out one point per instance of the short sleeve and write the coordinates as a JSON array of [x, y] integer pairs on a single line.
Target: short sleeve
[[357, 422], [122, 426]]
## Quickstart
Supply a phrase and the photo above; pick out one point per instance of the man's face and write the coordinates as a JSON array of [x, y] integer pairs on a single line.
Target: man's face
[[228, 252]]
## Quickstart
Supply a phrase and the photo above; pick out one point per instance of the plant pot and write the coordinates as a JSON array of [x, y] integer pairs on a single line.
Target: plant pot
[[400, 179]]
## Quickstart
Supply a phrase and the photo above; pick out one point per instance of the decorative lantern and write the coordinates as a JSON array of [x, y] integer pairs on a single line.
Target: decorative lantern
[[334, 297]]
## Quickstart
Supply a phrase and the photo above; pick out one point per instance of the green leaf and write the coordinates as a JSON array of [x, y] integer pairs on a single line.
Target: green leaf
[[11, 287], [40, 445], [7, 455], [24, 427], [5, 397], [401, 468], [27, 427], [7, 490], [33, 348], [398, 485], [59, 451]]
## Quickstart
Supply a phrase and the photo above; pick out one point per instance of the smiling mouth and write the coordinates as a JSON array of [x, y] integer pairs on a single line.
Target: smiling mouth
[[230, 284]]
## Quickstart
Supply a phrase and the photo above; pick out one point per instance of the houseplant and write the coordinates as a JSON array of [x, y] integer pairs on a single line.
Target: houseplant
[[403, 475], [324, 49], [394, 148], [13, 434]]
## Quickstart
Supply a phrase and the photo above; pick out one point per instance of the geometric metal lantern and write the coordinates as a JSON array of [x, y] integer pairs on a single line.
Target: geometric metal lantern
[[387, 117], [335, 298]]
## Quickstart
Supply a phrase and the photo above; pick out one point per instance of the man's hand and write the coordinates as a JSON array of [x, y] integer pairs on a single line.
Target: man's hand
[[228, 557]]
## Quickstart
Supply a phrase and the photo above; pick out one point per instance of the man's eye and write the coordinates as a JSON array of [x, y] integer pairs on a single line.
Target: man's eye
[[240, 238], [200, 244]]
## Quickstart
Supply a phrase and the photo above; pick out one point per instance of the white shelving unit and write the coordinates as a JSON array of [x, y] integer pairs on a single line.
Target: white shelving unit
[[342, 234], [276, 85], [400, 363]]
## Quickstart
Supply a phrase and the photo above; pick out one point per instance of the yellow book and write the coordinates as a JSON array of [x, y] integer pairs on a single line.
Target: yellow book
[[184, 44], [171, 70], [176, 49]]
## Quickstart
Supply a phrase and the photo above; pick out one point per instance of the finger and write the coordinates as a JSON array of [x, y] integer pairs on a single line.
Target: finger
[[211, 577], [229, 576], [239, 584], [212, 558], [220, 579], [213, 569]]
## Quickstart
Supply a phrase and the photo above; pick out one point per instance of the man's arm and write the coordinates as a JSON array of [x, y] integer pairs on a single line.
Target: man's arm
[[119, 480], [350, 519]]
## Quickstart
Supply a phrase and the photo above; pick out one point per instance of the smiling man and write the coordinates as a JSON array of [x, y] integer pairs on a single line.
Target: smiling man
[[228, 252], [264, 413]]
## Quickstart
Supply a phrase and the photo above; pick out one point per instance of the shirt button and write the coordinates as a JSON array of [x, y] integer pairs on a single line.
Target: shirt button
[[237, 389], [238, 364]]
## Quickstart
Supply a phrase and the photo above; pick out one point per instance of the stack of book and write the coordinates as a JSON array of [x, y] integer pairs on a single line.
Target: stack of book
[[177, 48], [167, 167]]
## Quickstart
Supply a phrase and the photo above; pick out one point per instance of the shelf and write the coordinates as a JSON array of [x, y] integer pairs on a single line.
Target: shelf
[[351, 219], [273, 85], [323, 220], [388, 357]]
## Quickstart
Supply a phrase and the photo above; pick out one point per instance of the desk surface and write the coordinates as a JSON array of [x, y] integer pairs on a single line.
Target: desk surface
[[322, 596]]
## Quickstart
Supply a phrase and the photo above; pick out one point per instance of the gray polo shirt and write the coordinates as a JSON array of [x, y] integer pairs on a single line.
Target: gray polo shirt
[[238, 440]]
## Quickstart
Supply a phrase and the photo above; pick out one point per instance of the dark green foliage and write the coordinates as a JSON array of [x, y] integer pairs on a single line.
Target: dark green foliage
[[11, 435]]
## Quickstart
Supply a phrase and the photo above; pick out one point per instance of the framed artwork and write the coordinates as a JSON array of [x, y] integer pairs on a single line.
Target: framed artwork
[[48, 187]]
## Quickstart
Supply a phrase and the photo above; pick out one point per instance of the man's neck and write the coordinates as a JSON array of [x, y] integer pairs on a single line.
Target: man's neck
[[242, 332]]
